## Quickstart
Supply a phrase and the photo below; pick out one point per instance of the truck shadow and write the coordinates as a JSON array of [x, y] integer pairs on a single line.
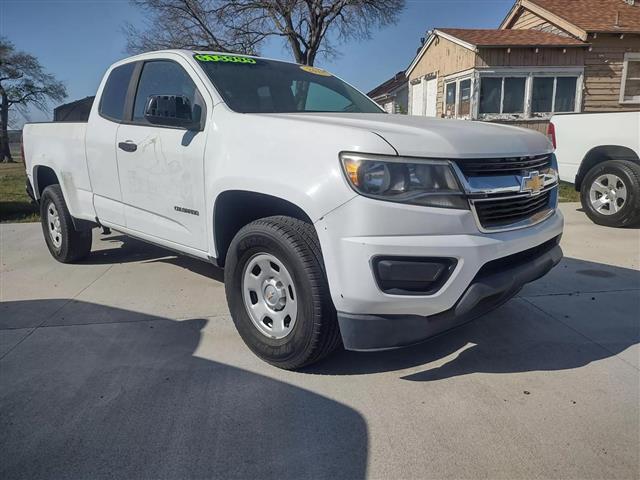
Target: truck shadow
[[581, 312], [631, 227], [124, 249], [130, 400], [555, 323]]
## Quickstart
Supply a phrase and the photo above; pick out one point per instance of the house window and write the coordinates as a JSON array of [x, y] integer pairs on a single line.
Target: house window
[[513, 95], [630, 88], [526, 94], [542, 95], [565, 97], [450, 102], [464, 108], [490, 95], [553, 95], [457, 101], [502, 95]]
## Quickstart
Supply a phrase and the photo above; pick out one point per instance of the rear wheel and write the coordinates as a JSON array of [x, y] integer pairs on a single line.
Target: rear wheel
[[65, 243], [610, 193], [278, 293]]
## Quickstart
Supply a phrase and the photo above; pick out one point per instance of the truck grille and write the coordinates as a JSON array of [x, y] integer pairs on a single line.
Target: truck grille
[[502, 166], [499, 212]]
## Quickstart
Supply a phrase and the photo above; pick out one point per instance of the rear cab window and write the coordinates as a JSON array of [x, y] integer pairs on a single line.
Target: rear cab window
[[114, 94]]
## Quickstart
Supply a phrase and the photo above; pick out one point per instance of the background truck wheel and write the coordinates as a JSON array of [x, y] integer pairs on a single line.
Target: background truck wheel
[[610, 193], [278, 293], [65, 243]]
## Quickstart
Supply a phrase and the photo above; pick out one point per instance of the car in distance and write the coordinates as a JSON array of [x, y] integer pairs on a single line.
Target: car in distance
[[335, 222], [600, 154]]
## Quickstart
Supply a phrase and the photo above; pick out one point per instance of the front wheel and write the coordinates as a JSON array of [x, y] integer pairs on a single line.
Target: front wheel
[[65, 243], [278, 294], [610, 193]]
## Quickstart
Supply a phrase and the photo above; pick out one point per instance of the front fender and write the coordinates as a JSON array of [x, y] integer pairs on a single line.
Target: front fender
[[282, 157]]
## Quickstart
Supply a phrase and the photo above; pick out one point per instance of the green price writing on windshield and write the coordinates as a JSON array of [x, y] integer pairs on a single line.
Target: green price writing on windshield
[[223, 58]]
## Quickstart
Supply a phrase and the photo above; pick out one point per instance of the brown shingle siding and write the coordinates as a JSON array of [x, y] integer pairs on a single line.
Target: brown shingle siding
[[527, 57], [529, 20], [603, 72]]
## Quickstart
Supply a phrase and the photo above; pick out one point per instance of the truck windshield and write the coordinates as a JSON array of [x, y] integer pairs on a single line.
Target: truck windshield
[[254, 85]]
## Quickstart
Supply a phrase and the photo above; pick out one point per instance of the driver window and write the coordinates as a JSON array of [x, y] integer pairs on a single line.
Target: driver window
[[162, 77]]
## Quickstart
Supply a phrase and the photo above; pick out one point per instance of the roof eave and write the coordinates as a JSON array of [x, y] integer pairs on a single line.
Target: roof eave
[[419, 55], [381, 98], [456, 40], [510, 15], [616, 31], [534, 45]]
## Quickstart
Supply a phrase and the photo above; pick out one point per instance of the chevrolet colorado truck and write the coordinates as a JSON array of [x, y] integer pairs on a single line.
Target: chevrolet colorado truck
[[335, 222], [600, 154]]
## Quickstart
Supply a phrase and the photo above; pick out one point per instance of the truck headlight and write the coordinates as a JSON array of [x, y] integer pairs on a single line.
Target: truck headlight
[[430, 183]]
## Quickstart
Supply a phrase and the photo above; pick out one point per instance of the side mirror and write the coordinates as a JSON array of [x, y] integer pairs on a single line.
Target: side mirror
[[173, 111]]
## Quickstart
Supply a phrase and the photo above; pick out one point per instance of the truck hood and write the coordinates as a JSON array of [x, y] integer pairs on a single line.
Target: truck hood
[[434, 137]]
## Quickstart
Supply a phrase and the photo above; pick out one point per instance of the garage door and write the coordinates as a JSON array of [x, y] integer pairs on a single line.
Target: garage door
[[417, 98], [431, 94]]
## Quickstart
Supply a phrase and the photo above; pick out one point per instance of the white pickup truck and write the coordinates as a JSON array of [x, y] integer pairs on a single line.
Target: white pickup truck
[[600, 154], [334, 221]]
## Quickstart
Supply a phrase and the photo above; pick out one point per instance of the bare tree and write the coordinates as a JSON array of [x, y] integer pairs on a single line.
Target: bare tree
[[23, 84], [191, 24], [307, 26]]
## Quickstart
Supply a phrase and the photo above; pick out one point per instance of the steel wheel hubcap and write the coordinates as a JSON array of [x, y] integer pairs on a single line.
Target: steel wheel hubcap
[[269, 295], [608, 194], [53, 222]]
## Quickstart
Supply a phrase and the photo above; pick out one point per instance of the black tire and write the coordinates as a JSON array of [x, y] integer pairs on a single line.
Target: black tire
[[73, 244], [315, 333], [629, 173]]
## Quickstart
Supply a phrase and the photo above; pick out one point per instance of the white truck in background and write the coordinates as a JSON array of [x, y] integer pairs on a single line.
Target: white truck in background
[[335, 222], [600, 154]]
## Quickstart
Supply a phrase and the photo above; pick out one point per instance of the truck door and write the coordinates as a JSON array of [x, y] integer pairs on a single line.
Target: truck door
[[161, 167], [100, 143]]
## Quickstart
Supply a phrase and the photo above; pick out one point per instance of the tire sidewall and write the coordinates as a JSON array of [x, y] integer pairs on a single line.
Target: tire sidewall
[[49, 196], [247, 244], [617, 219]]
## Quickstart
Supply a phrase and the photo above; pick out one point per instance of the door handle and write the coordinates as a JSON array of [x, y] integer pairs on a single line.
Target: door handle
[[127, 146]]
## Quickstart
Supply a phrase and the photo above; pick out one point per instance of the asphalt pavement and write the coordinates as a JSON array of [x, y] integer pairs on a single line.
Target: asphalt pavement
[[128, 366]]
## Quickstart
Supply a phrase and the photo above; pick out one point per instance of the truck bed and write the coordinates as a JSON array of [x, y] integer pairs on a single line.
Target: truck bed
[[61, 147], [578, 133]]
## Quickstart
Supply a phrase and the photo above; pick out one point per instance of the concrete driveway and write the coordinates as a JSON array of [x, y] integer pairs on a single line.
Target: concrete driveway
[[128, 366]]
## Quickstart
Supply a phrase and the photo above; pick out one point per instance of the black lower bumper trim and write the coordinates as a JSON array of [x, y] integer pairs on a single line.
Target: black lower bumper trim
[[495, 283]]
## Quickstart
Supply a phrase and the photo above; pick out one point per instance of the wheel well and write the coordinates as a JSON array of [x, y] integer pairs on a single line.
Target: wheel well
[[236, 208], [43, 177], [602, 154]]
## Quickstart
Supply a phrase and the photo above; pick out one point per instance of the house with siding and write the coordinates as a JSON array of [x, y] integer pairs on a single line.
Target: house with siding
[[548, 56]]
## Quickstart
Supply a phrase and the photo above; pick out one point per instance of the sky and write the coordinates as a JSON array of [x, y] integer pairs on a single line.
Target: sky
[[76, 40]]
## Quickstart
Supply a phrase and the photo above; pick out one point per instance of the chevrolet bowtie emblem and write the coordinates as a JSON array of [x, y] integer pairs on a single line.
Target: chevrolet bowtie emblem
[[532, 183]]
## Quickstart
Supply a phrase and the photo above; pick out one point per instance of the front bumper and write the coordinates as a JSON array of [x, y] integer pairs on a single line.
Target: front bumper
[[495, 283], [357, 232]]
